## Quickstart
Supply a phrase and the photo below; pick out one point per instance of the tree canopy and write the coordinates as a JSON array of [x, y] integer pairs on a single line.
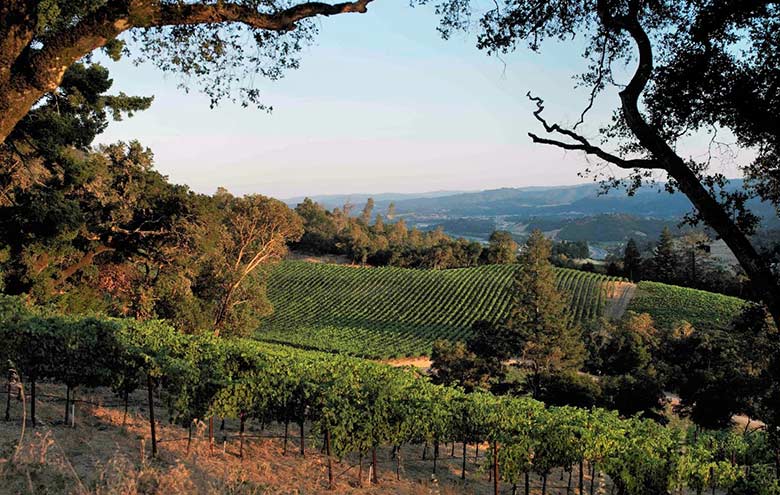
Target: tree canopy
[[703, 67], [211, 44]]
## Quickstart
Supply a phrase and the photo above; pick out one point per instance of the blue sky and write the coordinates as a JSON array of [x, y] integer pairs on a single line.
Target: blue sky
[[380, 104]]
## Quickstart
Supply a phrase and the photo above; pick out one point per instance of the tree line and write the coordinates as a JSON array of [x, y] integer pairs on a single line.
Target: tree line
[[381, 240], [686, 260], [357, 406], [97, 230]]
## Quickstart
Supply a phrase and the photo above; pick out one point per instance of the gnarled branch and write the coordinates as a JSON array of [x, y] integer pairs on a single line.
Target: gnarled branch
[[581, 143], [27, 72]]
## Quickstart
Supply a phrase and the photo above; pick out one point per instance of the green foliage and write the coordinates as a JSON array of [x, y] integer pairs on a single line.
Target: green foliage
[[571, 249], [632, 261], [720, 373], [502, 248], [569, 388], [391, 312], [538, 318], [363, 404], [337, 232], [453, 363]]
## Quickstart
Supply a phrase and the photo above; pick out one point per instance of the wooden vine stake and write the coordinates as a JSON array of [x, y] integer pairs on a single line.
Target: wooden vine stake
[[211, 435], [330, 459], [241, 436], [152, 428], [495, 468], [463, 464]]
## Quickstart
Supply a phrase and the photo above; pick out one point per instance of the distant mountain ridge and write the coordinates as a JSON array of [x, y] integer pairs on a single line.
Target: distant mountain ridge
[[561, 202], [337, 200]]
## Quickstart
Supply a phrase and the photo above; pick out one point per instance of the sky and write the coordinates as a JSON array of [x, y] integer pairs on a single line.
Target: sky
[[380, 104]]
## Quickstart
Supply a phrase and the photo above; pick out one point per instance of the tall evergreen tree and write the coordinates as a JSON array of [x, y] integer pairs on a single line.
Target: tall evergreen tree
[[632, 261], [664, 263], [545, 336]]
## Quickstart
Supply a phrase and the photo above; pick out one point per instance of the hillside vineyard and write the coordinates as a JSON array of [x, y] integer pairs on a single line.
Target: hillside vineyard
[[392, 312]]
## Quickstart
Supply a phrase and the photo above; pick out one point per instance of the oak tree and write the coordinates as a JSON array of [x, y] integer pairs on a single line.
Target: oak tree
[[216, 44], [703, 67]]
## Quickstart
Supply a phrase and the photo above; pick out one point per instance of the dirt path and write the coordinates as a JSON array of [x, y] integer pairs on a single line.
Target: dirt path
[[619, 295]]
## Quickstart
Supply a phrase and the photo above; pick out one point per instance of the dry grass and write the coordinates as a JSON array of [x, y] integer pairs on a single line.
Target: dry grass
[[103, 456]]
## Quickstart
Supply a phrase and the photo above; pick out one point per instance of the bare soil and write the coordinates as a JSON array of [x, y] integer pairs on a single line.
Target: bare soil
[[619, 295]]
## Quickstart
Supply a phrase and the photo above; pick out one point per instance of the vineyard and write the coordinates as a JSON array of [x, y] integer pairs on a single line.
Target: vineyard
[[393, 312], [670, 304], [355, 406]]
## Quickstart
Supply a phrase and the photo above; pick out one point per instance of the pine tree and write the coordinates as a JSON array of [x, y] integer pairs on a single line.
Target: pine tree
[[665, 262], [632, 261], [544, 335]]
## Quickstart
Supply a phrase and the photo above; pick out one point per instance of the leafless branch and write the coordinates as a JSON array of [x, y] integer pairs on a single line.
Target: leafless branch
[[581, 143]]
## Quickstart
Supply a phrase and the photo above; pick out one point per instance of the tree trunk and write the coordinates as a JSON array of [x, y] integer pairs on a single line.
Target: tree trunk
[[152, 427], [763, 281], [568, 484], [527, 477], [592, 476], [223, 308], [544, 484], [582, 478]]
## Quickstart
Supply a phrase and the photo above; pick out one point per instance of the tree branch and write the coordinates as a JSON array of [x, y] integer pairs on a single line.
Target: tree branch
[[283, 20], [30, 73], [582, 144]]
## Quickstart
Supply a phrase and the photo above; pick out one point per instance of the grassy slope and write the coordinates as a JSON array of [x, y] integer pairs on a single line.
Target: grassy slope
[[669, 304], [391, 312]]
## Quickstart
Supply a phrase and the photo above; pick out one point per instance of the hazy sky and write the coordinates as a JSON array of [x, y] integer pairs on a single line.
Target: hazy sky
[[380, 104]]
